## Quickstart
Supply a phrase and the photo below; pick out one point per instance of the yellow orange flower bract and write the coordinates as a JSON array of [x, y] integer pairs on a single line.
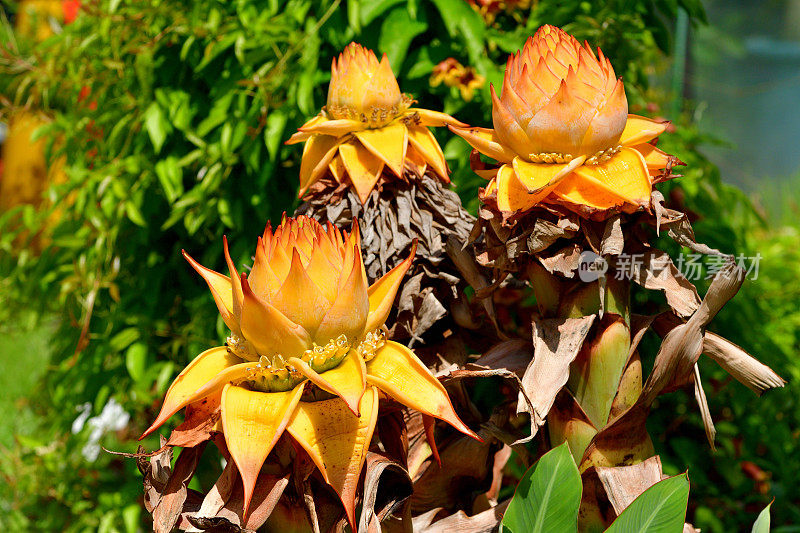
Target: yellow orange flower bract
[[367, 126], [563, 135], [305, 314]]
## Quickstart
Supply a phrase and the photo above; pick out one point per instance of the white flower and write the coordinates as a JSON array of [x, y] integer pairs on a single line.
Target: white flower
[[112, 418]]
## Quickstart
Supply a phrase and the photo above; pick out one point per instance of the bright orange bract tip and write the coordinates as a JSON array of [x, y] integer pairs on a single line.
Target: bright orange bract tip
[[304, 318], [562, 106]]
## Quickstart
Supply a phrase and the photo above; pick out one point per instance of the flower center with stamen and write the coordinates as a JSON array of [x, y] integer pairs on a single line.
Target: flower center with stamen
[[602, 156], [274, 374], [551, 157], [374, 117]]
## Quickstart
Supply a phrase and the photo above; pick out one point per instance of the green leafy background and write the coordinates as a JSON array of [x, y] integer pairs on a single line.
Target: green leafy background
[[178, 139]]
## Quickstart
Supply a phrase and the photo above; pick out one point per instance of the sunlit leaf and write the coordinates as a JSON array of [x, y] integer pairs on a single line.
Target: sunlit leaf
[[659, 509], [547, 497]]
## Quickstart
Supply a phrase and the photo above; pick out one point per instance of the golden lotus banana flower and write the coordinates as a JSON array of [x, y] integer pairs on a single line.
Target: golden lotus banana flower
[[562, 133], [305, 316], [367, 126]]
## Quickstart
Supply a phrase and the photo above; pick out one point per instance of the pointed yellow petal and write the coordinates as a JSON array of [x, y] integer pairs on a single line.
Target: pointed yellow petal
[[486, 142], [338, 171], [348, 380], [200, 371], [640, 130], [435, 119], [317, 154], [221, 291], [348, 313], [381, 90], [261, 278], [610, 118], [362, 166], [337, 441], [322, 272], [300, 135], [511, 194], [383, 291], [415, 163], [397, 372], [388, 143], [622, 181], [299, 298], [560, 125], [425, 143], [236, 284], [336, 128], [253, 422], [487, 174], [233, 374], [540, 178], [655, 158], [268, 329], [507, 129]]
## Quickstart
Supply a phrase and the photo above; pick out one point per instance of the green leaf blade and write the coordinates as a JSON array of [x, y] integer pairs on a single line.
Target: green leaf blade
[[762, 523], [548, 496], [659, 509]]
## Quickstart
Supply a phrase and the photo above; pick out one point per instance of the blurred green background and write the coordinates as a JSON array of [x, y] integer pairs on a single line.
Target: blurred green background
[[163, 125]]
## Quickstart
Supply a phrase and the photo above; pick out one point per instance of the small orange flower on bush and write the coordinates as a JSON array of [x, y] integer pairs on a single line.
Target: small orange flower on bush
[[366, 126], [304, 316], [454, 74], [563, 135]]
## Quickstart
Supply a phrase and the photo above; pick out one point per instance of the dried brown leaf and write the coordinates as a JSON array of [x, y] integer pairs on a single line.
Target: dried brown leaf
[[202, 420], [387, 486], [513, 355], [397, 212], [156, 470], [705, 412], [544, 233], [607, 491], [623, 484], [463, 258], [174, 494], [484, 522], [466, 470], [556, 343], [613, 239], [678, 226], [220, 492], [564, 261], [745, 368], [654, 270]]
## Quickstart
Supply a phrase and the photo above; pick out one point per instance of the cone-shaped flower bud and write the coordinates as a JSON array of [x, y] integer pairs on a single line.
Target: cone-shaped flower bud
[[363, 88], [368, 128], [562, 133], [305, 314]]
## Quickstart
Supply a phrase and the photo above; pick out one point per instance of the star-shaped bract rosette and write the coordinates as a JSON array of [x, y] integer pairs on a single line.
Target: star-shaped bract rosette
[[304, 317], [562, 133], [368, 128]]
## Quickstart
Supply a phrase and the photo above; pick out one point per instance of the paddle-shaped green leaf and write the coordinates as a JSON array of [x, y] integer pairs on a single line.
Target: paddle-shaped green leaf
[[659, 509], [761, 524], [547, 497]]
